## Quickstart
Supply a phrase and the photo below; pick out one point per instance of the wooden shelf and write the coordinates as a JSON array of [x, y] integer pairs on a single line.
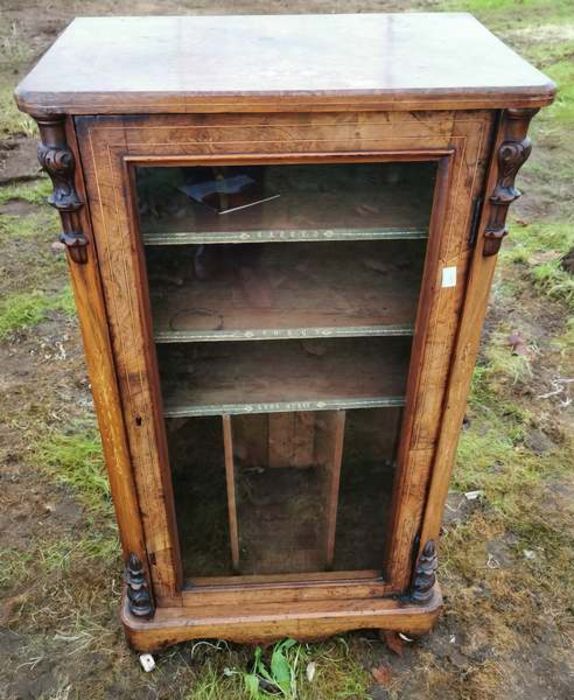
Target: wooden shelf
[[292, 375], [368, 201], [285, 291]]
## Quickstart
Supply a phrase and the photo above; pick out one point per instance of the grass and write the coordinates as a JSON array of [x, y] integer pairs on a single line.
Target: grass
[[15, 53], [15, 566], [19, 228], [13, 122], [25, 309], [538, 248], [76, 460], [500, 14], [35, 192], [554, 281], [562, 72], [59, 556]]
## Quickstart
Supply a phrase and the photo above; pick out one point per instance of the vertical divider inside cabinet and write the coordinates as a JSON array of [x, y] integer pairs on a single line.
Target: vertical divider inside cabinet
[[331, 459], [231, 499]]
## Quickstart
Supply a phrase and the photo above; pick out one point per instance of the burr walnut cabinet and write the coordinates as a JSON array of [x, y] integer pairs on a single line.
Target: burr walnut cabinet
[[281, 234]]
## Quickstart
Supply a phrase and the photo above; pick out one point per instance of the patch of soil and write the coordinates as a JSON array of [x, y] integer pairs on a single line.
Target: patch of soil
[[458, 508], [18, 159], [567, 262], [538, 442], [18, 207], [42, 372]]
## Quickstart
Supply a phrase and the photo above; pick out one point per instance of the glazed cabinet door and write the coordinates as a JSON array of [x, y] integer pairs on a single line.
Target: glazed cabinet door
[[283, 295]]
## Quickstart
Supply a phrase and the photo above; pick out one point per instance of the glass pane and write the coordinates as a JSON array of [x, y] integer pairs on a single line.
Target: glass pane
[[281, 290], [281, 487], [300, 508], [284, 202], [283, 300], [198, 474], [288, 375], [367, 475]]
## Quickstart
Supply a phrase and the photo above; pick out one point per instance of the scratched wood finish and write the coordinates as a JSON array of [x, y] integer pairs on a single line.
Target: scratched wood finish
[[461, 182], [90, 306], [308, 620], [299, 62]]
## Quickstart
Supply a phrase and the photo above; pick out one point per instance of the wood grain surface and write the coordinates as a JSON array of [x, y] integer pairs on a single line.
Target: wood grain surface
[[277, 63]]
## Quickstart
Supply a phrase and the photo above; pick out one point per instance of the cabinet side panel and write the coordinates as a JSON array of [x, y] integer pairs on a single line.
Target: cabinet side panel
[[89, 298]]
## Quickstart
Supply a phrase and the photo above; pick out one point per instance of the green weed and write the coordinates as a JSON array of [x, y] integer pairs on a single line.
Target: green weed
[[35, 192], [12, 121], [26, 227], [15, 566], [278, 676], [305, 672], [76, 460], [25, 309]]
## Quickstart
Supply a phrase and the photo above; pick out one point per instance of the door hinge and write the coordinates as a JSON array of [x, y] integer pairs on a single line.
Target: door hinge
[[474, 221]]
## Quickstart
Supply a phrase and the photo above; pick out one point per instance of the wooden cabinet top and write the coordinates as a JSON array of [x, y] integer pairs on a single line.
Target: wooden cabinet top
[[279, 63]]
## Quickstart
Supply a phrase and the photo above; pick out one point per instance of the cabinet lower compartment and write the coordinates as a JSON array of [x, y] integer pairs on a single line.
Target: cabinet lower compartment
[[284, 493]]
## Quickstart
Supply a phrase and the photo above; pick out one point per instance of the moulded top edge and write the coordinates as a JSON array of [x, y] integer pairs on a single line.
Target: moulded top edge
[[117, 65]]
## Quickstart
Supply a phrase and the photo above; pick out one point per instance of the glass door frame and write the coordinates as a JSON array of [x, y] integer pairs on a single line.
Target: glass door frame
[[153, 479], [442, 176]]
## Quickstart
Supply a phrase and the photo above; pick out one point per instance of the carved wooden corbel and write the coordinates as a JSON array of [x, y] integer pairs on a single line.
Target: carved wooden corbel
[[424, 576], [140, 601], [512, 154], [57, 160]]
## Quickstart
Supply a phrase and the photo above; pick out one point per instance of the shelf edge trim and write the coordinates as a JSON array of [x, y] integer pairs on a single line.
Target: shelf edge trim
[[280, 236], [283, 333], [191, 411]]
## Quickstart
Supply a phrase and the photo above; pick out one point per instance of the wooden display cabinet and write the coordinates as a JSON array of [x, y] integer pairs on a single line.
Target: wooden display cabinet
[[281, 236]]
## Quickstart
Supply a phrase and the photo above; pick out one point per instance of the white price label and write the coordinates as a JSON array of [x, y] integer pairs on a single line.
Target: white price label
[[449, 276]]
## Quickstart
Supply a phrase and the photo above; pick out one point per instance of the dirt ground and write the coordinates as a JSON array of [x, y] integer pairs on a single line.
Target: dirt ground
[[507, 557]]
